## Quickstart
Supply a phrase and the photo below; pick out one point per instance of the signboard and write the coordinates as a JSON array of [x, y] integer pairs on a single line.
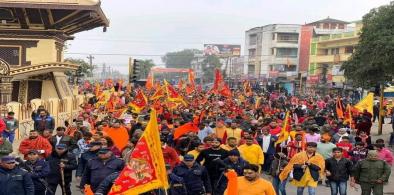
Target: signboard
[[222, 50], [313, 79], [273, 74]]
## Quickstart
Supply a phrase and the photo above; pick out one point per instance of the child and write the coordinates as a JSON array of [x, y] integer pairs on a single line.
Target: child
[[345, 145], [358, 153]]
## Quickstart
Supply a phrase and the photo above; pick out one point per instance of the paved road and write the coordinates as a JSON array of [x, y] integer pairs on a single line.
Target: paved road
[[291, 190]]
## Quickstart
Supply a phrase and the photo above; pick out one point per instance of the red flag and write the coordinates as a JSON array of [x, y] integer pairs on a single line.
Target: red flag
[[199, 88], [225, 91], [189, 89], [158, 94], [218, 80], [139, 101], [149, 81], [180, 84], [146, 169], [172, 94], [119, 136], [186, 128]]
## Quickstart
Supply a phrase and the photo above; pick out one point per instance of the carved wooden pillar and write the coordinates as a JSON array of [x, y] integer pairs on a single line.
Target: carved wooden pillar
[[5, 83]]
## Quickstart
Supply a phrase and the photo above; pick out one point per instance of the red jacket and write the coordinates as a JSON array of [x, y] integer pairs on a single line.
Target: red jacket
[[39, 143], [2, 125]]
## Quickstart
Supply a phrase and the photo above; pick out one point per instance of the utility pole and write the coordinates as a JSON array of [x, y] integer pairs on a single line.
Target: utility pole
[[381, 111], [90, 57]]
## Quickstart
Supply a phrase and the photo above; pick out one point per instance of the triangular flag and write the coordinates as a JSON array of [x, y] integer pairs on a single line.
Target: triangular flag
[[284, 133], [339, 108], [365, 103], [186, 128], [139, 102], [149, 81]]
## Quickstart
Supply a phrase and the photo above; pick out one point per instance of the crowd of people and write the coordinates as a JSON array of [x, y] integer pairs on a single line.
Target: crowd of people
[[243, 133]]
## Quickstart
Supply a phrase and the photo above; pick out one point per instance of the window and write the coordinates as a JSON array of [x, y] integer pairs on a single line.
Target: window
[[11, 54], [282, 68], [251, 69], [286, 52], [287, 37], [341, 26], [273, 36], [326, 26], [334, 51], [325, 52], [252, 53], [349, 49], [272, 51], [253, 39], [333, 26]]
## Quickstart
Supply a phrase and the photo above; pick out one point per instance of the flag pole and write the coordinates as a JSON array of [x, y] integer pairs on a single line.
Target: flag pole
[[381, 111]]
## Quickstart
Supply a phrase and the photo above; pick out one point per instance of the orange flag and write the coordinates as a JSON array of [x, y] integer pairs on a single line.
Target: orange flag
[[149, 81], [119, 136], [146, 169], [339, 108], [232, 185], [186, 128], [189, 89], [158, 94], [225, 91], [191, 79], [97, 89], [284, 133], [120, 82], [139, 102], [88, 190], [172, 94], [218, 80], [180, 84]]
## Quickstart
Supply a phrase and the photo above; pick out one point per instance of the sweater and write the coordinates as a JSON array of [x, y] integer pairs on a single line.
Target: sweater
[[253, 154], [386, 155], [325, 149], [257, 187]]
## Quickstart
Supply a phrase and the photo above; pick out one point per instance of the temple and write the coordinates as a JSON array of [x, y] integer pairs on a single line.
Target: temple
[[32, 38]]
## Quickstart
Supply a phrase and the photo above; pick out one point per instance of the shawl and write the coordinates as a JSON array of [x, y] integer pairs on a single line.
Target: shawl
[[302, 158]]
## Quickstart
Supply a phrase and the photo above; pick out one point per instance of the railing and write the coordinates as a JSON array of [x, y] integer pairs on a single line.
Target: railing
[[60, 109], [335, 36]]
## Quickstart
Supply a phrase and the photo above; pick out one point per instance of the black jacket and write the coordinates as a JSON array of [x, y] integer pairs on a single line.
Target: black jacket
[[54, 160], [83, 161], [15, 182], [195, 179], [69, 141], [38, 170], [96, 171], [340, 170], [298, 171], [105, 186]]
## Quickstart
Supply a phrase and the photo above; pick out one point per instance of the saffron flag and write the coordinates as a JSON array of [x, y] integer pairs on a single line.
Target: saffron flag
[[339, 108], [180, 84], [191, 79], [232, 186], [348, 115], [218, 81], [139, 102], [186, 128], [146, 169], [172, 94], [119, 136], [88, 190], [284, 133], [158, 94], [225, 91], [365, 103], [149, 81], [189, 89], [247, 88]]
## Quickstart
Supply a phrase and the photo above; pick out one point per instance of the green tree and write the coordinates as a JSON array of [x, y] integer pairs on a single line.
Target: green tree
[[209, 64], [180, 59], [87, 69], [145, 67], [372, 62]]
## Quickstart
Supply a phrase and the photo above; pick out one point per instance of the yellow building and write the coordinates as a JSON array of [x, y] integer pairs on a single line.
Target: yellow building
[[327, 53], [32, 38]]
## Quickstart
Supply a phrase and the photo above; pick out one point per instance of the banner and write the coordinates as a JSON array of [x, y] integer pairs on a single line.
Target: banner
[[366, 103], [146, 169]]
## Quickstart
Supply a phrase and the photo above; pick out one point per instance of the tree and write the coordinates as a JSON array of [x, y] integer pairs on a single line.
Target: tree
[[145, 67], [372, 62], [86, 68], [209, 64], [180, 59]]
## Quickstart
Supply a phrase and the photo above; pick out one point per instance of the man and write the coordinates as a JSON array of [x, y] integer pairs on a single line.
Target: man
[[85, 157], [307, 167], [370, 174], [205, 130], [342, 132], [295, 146], [220, 129], [211, 156], [11, 126], [170, 155], [193, 176], [267, 143], [338, 170], [358, 153], [13, 180], [278, 164], [233, 131], [106, 185], [197, 150], [235, 162], [61, 160], [5, 147], [44, 121], [324, 147], [274, 128], [61, 138], [231, 144], [38, 169], [35, 141], [98, 168], [252, 153], [252, 184]]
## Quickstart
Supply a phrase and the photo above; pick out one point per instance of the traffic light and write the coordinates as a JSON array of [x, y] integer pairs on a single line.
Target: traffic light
[[134, 70]]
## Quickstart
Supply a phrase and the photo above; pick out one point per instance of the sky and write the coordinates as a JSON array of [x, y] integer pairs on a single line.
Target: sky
[[148, 29]]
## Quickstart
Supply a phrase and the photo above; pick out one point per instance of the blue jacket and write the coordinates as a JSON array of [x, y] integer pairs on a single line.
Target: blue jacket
[[15, 182], [83, 161], [38, 171], [238, 166], [195, 179], [96, 171], [105, 186], [54, 160], [47, 123]]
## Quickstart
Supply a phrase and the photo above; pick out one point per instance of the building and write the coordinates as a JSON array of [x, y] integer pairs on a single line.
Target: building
[[32, 38], [327, 54], [271, 51]]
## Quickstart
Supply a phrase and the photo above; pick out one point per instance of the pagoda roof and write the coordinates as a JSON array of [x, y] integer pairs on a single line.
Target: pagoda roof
[[67, 16], [330, 20]]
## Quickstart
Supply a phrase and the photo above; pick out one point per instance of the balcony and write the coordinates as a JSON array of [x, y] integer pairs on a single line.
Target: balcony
[[332, 59], [335, 37]]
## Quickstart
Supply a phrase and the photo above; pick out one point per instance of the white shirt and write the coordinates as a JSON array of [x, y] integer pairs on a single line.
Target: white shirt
[[266, 142], [58, 140]]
